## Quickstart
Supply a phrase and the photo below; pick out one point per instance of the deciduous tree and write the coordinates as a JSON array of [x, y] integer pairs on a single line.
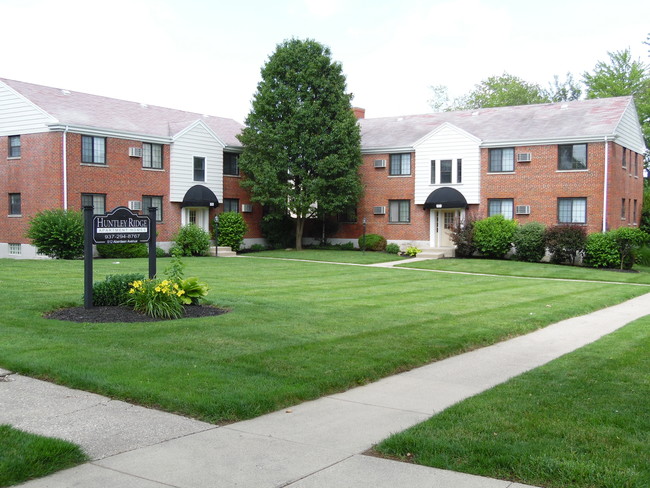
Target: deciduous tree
[[302, 143]]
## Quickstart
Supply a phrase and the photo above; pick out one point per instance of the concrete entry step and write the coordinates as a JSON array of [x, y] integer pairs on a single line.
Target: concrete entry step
[[437, 253], [222, 252]]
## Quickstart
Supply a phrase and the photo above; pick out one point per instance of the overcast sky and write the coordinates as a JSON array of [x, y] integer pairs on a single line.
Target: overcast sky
[[205, 56]]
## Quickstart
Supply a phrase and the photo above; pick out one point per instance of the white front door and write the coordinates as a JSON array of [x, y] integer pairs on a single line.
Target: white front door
[[441, 226], [198, 216]]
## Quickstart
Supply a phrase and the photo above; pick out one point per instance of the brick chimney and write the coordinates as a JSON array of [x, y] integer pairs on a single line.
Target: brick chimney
[[359, 113]]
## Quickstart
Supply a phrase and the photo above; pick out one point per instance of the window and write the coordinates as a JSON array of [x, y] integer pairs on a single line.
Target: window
[[153, 201], [636, 164], [623, 209], [624, 158], [199, 169], [231, 164], [15, 249], [399, 211], [400, 164], [14, 146], [231, 204], [152, 156], [15, 204], [459, 171], [572, 210], [572, 156], [634, 212], [97, 200], [501, 206], [502, 160], [445, 171], [349, 216], [93, 150], [433, 172]]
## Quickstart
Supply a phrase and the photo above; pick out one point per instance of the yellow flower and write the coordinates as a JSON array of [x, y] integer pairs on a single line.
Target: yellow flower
[[181, 292], [157, 288], [132, 290]]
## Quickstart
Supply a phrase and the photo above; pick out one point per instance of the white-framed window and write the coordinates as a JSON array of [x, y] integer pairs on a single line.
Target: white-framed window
[[572, 210], [199, 168], [572, 157], [97, 200], [400, 164], [15, 249], [15, 204], [14, 147], [152, 156], [149, 201], [231, 164], [93, 150], [501, 206], [231, 204], [399, 211], [502, 160]]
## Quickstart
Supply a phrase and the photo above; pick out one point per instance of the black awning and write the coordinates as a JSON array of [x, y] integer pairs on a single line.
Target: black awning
[[445, 197], [200, 196]]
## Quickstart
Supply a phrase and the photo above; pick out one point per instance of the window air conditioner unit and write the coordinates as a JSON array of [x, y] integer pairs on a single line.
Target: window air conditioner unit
[[135, 152], [524, 157], [380, 163], [522, 210], [135, 205], [246, 208], [379, 210]]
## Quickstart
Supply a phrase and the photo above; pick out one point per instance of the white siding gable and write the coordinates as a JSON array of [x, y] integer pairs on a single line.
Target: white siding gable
[[448, 142], [628, 130], [197, 140], [20, 116]]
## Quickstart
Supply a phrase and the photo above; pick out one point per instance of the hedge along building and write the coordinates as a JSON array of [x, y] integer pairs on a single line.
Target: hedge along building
[[63, 149], [575, 162]]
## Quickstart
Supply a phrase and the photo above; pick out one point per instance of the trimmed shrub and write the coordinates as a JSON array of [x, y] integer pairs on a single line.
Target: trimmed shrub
[[392, 248], [348, 246], [279, 231], [258, 247], [412, 251], [529, 242], [58, 233], [232, 229], [642, 256], [493, 236], [114, 290], [462, 234], [191, 240], [601, 251], [123, 251], [628, 241], [374, 242], [565, 242]]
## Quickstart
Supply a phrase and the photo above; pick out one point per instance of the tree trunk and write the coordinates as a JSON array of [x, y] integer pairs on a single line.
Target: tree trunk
[[300, 225]]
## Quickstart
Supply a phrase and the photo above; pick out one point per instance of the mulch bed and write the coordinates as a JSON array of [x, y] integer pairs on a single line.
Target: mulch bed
[[125, 314]]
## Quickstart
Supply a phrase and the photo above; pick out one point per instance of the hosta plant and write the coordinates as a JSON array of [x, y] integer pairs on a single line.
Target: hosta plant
[[193, 290]]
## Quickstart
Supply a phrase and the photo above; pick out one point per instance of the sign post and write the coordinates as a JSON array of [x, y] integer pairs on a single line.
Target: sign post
[[88, 256], [152, 242]]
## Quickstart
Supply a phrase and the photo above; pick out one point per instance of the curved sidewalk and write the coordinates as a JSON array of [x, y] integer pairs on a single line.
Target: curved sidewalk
[[314, 444]]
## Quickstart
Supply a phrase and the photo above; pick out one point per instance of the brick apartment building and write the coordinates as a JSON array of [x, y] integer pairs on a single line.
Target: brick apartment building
[[576, 162]]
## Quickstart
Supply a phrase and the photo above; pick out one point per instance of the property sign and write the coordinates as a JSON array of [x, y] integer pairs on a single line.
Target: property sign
[[121, 226]]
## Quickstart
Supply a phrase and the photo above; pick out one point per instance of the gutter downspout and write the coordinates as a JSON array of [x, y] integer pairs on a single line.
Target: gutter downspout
[[65, 168], [606, 185]]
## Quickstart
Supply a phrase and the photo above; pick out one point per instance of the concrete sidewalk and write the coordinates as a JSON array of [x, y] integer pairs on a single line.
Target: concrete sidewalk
[[315, 444]]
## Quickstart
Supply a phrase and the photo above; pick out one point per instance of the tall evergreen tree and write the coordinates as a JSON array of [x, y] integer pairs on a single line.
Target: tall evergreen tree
[[302, 143]]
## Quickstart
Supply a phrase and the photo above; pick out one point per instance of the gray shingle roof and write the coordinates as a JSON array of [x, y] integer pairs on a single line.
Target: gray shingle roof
[[583, 118], [82, 109]]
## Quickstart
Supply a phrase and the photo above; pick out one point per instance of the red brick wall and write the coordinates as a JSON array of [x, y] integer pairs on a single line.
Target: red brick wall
[[379, 188], [122, 178], [624, 184], [231, 189], [539, 184], [36, 175]]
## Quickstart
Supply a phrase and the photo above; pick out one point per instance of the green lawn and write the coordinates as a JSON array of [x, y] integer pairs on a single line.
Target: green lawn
[[296, 330], [582, 421], [26, 456], [353, 257], [538, 270]]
